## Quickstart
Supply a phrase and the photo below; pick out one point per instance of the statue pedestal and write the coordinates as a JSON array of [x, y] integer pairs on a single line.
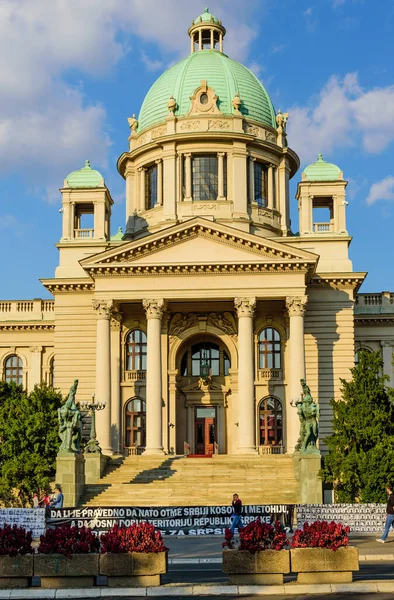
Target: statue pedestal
[[94, 466], [306, 469], [70, 473]]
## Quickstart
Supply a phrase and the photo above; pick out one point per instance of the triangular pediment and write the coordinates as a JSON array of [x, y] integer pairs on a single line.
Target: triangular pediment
[[196, 244]]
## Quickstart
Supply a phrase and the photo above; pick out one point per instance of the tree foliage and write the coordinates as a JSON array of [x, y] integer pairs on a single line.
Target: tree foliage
[[361, 449], [28, 441]]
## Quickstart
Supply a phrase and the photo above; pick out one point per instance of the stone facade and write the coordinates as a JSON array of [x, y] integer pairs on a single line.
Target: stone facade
[[196, 326]]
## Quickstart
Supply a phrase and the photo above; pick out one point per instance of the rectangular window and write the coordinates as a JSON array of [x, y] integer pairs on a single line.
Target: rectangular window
[[205, 177], [260, 184], [151, 187]]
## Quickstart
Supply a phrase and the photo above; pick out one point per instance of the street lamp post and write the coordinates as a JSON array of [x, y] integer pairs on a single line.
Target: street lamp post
[[92, 447]]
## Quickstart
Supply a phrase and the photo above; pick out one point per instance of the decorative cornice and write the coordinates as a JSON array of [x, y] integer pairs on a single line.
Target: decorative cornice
[[27, 326], [153, 308], [338, 280], [373, 320], [198, 269], [296, 305], [245, 306], [57, 286]]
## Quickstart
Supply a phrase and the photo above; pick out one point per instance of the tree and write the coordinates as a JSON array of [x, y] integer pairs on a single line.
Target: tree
[[361, 449], [28, 441]]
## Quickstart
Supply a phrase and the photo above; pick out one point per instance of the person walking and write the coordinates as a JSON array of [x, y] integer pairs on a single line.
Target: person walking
[[237, 513], [389, 515]]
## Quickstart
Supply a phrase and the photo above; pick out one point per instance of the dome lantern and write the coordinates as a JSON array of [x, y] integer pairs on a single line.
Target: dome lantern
[[206, 33]]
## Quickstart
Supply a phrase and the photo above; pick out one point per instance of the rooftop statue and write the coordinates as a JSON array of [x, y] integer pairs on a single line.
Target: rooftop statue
[[70, 425], [308, 413], [281, 120]]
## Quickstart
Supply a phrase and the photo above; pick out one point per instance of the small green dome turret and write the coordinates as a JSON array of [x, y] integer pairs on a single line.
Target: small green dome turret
[[322, 171], [206, 17], [85, 178]]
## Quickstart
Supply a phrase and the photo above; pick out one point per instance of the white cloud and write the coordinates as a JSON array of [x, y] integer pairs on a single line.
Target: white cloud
[[343, 115], [381, 190], [256, 68], [49, 126]]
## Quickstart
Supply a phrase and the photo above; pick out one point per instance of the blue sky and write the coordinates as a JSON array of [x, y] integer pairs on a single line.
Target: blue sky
[[72, 72]]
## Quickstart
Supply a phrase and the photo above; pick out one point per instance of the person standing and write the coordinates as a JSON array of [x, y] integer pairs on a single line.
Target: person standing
[[389, 515], [57, 502], [237, 513]]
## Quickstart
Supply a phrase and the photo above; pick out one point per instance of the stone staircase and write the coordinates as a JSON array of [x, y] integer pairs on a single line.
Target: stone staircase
[[181, 481]]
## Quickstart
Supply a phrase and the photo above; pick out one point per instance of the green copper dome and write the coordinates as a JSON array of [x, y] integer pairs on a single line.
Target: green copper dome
[[322, 171], [206, 17], [84, 178], [225, 76]]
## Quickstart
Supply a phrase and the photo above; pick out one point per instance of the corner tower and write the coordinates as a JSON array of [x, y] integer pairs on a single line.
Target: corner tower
[[207, 142]]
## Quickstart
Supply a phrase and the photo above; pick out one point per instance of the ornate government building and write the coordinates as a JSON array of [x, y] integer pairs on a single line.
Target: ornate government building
[[197, 323]]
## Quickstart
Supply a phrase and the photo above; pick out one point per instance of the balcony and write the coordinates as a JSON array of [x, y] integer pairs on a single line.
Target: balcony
[[268, 374], [134, 376], [27, 310], [83, 233], [372, 304], [322, 227]]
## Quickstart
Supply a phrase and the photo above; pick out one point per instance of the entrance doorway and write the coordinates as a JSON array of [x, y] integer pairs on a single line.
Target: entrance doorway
[[205, 430]]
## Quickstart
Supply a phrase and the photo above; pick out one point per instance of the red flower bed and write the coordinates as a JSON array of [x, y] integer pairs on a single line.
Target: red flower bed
[[258, 536], [139, 537], [15, 540], [321, 534], [69, 541]]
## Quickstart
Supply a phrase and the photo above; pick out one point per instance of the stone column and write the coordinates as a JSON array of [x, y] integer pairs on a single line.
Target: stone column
[[251, 178], [188, 176], [159, 164], [296, 366], [103, 310], [283, 178], [387, 351], [154, 417], [271, 187], [212, 40], [116, 325], [72, 220], [220, 42], [35, 376], [141, 203], [246, 402], [221, 156], [200, 40]]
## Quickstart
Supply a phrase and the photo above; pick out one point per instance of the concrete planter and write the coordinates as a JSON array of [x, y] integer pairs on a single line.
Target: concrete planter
[[321, 565], [16, 571], [134, 569], [58, 571], [267, 567]]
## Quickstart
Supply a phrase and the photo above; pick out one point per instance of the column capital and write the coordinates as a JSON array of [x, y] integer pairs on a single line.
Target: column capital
[[116, 320], [103, 308], [35, 349], [153, 308], [245, 306], [187, 154], [387, 343], [158, 161], [221, 154], [296, 305], [141, 169]]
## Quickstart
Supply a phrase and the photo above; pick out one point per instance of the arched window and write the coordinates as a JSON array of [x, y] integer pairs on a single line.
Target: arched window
[[270, 422], [151, 187], [135, 423], [52, 372], [136, 351], [357, 354], [269, 349], [260, 184], [205, 356], [14, 369]]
